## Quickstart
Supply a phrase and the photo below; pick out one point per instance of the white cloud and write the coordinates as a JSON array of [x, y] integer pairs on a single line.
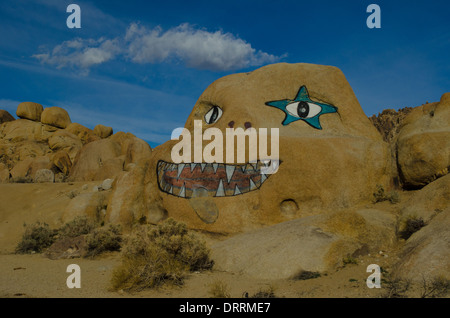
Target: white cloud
[[197, 48], [81, 53]]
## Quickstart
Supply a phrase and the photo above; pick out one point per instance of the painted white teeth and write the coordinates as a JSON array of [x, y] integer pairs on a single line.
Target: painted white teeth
[[220, 190], [203, 165], [252, 185], [182, 193], [230, 170], [193, 166], [180, 169], [215, 166], [263, 178], [171, 190], [237, 191]]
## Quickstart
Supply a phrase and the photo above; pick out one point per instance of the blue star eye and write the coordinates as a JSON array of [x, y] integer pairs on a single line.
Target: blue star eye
[[302, 108]]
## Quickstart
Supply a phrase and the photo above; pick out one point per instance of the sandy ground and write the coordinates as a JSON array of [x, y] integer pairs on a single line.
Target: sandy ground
[[37, 276]]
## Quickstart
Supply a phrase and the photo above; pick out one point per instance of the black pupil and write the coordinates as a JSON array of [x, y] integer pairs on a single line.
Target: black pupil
[[214, 115], [303, 109]]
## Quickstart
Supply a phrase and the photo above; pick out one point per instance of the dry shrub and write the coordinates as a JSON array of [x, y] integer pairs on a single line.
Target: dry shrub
[[80, 225], [219, 289], [411, 225], [156, 255], [36, 238], [104, 239]]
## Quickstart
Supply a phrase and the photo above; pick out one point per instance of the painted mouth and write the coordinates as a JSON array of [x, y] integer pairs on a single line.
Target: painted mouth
[[187, 180]]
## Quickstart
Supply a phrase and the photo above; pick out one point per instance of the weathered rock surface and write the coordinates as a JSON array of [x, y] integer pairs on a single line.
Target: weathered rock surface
[[335, 167], [389, 121], [427, 202], [55, 116], [426, 252], [64, 140], [5, 116], [88, 204], [423, 144], [29, 110], [97, 160], [4, 173], [103, 131], [44, 175], [85, 134], [311, 244]]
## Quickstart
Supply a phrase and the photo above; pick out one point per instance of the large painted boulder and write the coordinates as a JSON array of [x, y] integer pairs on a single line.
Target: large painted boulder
[[330, 155]]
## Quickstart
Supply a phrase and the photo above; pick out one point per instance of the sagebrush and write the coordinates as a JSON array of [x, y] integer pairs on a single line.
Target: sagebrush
[[155, 255]]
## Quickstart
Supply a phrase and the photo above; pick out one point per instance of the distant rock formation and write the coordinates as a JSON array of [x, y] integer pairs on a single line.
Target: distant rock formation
[[389, 121], [43, 145]]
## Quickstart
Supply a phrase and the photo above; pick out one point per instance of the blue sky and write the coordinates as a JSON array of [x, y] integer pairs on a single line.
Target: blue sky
[[139, 66]]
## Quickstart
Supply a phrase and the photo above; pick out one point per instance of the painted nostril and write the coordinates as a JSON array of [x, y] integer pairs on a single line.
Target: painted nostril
[[247, 125], [231, 124]]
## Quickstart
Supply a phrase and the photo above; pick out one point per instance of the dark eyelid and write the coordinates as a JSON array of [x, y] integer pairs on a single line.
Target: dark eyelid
[[208, 103]]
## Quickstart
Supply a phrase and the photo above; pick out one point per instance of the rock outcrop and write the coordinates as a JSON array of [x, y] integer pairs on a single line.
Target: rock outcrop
[[103, 131], [56, 116], [333, 161], [423, 144], [5, 116], [46, 139], [29, 110]]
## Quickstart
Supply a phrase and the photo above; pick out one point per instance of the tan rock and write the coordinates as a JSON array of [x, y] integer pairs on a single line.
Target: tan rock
[[312, 244], [64, 140], [62, 161], [137, 151], [335, 167], [5, 116], [424, 144], [4, 173], [97, 160], [44, 176], [426, 202], [103, 131], [86, 204], [128, 202], [24, 129], [426, 252], [21, 171], [56, 116], [85, 134], [29, 110]]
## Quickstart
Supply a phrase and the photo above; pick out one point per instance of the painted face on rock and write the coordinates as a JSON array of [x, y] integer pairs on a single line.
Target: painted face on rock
[[192, 180]]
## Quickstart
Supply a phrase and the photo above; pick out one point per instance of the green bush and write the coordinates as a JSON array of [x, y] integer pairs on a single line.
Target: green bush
[[156, 255], [36, 238]]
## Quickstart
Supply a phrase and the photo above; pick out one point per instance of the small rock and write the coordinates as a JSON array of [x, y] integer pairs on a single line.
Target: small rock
[[107, 184], [95, 189], [44, 175], [103, 131], [84, 187], [5, 116]]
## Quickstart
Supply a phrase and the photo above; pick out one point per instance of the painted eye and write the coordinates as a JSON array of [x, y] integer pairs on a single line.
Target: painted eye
[[303, 109], [213, 115]]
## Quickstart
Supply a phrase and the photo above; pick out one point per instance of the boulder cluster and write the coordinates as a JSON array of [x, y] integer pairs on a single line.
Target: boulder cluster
[[44, 145]]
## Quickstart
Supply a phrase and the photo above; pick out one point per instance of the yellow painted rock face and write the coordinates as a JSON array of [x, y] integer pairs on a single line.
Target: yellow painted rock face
[[325, 153]]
